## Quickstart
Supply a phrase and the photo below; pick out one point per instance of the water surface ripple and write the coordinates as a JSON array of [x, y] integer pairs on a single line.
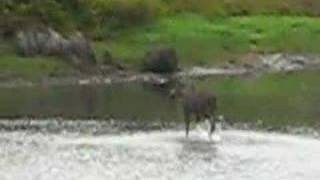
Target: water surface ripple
[[158, 155]]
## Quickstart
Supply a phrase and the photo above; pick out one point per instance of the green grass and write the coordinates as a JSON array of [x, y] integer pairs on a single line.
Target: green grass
[[277, 99], [201, 41], [12, 66]]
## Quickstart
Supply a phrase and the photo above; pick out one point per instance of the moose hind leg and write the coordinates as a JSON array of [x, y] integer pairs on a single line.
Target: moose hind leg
[[187, 124], [212, 126]]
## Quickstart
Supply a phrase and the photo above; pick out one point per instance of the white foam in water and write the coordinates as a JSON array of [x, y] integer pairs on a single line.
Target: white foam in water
[[235, 155], [203, 130]]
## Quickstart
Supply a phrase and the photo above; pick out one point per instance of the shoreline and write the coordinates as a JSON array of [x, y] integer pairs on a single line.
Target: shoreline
[[117, 126], [259, 65], [124, 77]]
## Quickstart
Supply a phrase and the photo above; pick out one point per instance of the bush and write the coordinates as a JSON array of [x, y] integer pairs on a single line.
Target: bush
[[204, 7], [123, 13], [47, 12], [212, 8], [161, 60], [107, 58]]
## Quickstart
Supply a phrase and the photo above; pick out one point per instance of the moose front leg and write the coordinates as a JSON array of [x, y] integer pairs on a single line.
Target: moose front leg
[[187, 123], [212, 126]]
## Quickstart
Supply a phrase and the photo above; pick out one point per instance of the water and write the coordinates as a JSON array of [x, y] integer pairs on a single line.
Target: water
[[121, 101], [70, 154], [275, 100], [93, 150]]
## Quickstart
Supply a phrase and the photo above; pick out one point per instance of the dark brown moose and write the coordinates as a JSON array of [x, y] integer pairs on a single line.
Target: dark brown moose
[[197, 105]]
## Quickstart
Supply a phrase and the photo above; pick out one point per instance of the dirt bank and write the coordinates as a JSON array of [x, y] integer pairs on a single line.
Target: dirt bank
[[255, 64]]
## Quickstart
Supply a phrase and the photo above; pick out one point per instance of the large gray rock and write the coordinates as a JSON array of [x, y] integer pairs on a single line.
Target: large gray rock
[[32, 43], [50, 43], [79, 50], [283, 62], [53, 43]]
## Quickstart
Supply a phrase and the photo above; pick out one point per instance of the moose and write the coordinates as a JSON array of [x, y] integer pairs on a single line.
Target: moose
[[197, 105]]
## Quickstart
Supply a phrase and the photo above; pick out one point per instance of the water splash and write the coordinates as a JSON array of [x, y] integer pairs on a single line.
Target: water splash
[[237, 155]]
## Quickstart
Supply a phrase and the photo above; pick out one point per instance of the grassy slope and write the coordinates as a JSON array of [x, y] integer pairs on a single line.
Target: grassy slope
[[200, 41], [15, 66], [31, 68]]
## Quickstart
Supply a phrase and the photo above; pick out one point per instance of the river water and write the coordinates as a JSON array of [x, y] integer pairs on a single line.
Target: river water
[[290, 100], [91, 153], [139, 134]]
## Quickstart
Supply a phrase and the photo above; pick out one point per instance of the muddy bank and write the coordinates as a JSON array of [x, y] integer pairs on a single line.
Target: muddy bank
[[125, 77], [251, 65]]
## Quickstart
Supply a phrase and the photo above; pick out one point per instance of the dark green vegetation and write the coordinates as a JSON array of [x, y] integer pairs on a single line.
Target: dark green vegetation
[[204, 32], [103, 15]]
